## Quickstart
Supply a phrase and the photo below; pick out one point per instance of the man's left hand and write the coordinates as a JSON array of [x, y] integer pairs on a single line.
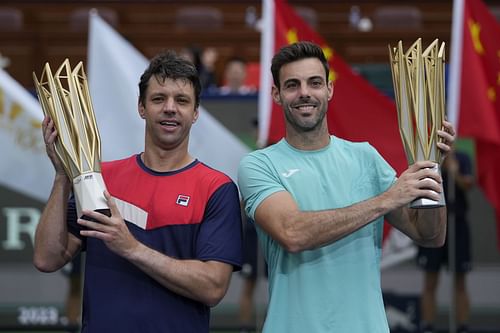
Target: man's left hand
[[447, 135], [112, 230]]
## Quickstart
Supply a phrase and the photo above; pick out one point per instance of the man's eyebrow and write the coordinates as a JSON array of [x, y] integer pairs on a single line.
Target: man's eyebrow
[[185, 95], [316, 77], [157, 93], [291, 80]]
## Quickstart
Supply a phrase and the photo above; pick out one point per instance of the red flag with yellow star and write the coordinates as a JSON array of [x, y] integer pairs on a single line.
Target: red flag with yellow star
[[474, 95], [357, 111]]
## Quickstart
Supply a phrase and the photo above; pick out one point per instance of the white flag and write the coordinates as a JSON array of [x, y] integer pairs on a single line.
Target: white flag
[[114, 69], [24, 165]]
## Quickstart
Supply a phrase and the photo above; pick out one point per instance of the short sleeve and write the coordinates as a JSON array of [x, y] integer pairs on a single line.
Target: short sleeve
[[384, 173], [220, 236], [257, 181]]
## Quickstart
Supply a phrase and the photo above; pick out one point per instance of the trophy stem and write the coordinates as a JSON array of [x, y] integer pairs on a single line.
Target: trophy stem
[[420, 203]]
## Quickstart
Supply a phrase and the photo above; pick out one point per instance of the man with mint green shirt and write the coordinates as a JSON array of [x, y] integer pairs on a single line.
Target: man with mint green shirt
[[319, 202]]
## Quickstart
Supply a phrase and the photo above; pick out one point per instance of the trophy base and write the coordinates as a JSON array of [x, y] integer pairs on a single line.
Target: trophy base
[[424, 203], [88, 189], [106, 212]]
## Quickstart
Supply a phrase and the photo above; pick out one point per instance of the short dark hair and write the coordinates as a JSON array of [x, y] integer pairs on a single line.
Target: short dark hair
[[293, 52], [168, 65]]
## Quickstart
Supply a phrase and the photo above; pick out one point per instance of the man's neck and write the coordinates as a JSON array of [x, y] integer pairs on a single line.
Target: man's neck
[[164, 161], [313, 140]]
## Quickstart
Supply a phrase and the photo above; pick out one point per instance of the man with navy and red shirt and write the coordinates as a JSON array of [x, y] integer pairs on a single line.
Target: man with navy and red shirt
[[165, 254]]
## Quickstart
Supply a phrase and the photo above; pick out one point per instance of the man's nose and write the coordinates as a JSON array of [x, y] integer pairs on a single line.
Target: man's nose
[[304, 90], [169, 105]]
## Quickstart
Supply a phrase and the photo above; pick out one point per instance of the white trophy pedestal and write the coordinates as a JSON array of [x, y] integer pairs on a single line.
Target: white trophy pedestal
[[88, 189]]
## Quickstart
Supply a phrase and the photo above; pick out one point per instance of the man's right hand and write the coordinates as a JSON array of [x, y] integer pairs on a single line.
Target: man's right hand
[[418, 181], [49, 137]]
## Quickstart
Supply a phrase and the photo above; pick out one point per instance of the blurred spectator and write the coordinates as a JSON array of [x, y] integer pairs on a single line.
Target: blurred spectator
[[251, 270], [204, 61], [249, 275], [235, 74], [208, 78], [73, 304], [458, 166], [191, 54]]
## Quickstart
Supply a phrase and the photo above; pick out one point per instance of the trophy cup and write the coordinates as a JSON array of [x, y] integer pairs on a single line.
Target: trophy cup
[[418, 78], [66, 99]]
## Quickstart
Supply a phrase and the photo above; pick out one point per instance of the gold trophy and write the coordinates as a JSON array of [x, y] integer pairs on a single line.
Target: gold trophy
[[65, 97], [418, 78]]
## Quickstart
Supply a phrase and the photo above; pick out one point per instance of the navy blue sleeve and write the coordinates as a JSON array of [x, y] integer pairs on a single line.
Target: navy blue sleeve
[[71, 218], [220, 236]]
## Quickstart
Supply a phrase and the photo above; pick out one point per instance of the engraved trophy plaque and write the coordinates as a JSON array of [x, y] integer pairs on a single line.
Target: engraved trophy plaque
[[418, 78], [65, 98]]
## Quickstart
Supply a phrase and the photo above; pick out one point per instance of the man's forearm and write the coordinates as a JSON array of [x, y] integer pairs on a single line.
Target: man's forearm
[[431, 226], [309, 230], [51, 236], [205, 282]]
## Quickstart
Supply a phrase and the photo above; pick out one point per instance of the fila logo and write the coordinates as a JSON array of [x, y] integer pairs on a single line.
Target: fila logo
[[183, 200], [290, 172]]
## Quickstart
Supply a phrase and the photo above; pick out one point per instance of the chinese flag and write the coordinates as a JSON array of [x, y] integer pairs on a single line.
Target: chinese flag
[[357, 111], [474, 102]]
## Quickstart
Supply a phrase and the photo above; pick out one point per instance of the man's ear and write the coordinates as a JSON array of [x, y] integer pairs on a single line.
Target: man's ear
[[275, 93], [196, 115], [330, 90], [141, 110]]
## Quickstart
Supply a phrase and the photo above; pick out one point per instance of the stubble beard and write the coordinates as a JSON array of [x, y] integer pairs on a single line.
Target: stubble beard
[[304, 126]]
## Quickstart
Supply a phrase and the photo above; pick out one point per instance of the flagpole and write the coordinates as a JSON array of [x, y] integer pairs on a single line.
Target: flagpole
[[267, 28], [455, 75], [454, 85], [266, 52]]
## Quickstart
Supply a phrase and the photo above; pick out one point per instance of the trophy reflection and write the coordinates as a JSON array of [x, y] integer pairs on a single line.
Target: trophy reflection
[[65, 98], [418, 78]]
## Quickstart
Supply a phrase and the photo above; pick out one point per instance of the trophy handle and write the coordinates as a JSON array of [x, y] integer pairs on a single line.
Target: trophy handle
[[422, 203]]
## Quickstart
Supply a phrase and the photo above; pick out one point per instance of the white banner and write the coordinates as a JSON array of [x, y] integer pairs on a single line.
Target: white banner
[[114, 69], [24, 165]]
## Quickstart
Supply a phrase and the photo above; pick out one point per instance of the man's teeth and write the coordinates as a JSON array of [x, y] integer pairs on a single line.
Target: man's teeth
[[169, 123]]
